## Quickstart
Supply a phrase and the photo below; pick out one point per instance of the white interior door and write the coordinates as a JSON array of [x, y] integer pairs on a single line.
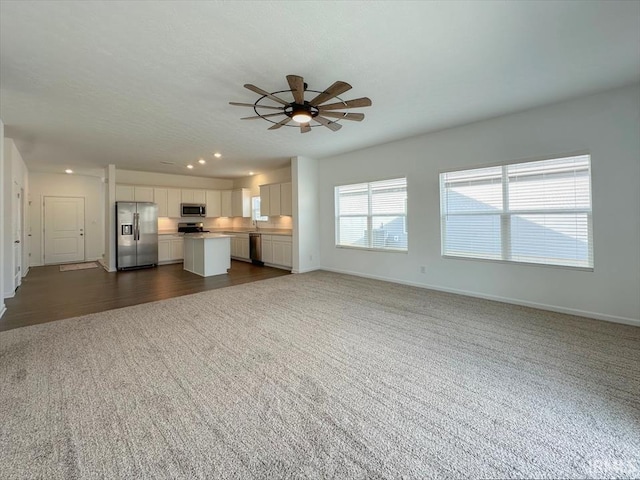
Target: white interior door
[[63, 229], [17, 235]]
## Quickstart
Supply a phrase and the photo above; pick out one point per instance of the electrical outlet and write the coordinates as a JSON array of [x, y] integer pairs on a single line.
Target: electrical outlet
[[423, 269]]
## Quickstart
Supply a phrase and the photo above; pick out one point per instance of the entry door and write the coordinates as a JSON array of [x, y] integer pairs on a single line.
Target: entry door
[[17, 236], [63, 229]]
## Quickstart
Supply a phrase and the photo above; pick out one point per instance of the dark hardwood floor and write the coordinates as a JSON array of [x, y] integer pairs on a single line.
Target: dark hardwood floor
[[46, 294]]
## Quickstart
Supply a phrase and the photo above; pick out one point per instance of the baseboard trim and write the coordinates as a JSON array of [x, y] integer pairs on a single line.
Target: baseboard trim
[[514, 301], [306, 270], [3, 309]]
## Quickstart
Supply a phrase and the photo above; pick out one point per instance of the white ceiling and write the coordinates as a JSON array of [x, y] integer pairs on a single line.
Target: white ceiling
[[85, 84]]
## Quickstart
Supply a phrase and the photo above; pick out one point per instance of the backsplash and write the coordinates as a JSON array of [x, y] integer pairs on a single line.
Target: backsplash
[[171, 224]]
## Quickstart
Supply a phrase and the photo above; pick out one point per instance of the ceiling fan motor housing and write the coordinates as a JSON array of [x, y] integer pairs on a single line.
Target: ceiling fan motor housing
[[297, 108]]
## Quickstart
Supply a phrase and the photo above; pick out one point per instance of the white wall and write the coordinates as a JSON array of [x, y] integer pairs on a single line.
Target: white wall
[[306, 215], [63, 185], [109, 261], [2, 266], [133, 177], [281, 175], [606, 125], [15, 172]]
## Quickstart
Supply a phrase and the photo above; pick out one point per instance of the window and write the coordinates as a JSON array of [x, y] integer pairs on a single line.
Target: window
[[534, 212], [372, 215], [255, 210]]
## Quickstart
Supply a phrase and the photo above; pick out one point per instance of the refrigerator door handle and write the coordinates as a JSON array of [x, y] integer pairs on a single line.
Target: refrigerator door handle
[[136, 219]]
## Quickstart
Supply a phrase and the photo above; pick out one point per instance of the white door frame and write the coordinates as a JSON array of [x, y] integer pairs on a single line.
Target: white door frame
[[17, 234]]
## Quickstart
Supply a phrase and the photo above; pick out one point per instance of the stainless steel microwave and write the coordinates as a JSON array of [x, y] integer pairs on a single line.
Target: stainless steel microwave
[[193, 210]]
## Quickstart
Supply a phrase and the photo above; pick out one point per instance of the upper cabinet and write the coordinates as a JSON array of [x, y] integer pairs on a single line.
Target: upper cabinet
[[275, 199], [173, 202], [162, 200], [225, 203], [241, 202], [194, 196], [286, 199], [124, 193], [219, 203], [214, 203], [132, 193]]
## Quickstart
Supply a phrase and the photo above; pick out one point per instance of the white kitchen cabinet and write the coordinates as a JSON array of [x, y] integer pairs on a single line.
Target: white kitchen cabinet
[[164, 250], [267, 249], [173, 203], [277, 250], [241, 202], [265, 200], [124, 193], [286, 199], [225, 203], [177, 247], [170, 248], [214, 203], [275, 199], [240, 246], [193, 196], [143, 194], [161, 199]]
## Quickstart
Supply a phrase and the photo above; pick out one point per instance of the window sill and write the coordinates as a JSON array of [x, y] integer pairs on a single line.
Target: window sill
[[526, 264], [367, 249]]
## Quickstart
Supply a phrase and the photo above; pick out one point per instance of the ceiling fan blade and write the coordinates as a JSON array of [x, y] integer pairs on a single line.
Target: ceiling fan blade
[[358, 102], [253, 105], [296, 84], [330, 125], [334, 90], [262, 116], [358, 117], [255, 89], [280, 124], [305, 127]]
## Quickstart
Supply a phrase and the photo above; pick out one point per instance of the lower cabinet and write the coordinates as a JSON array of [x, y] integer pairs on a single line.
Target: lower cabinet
[[277, 250], [240, 246], [170, 249]]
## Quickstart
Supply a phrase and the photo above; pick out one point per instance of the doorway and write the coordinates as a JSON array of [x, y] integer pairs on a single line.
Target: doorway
[[63, 229]]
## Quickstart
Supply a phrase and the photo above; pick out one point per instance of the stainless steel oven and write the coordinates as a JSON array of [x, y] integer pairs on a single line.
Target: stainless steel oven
[[193, 210]]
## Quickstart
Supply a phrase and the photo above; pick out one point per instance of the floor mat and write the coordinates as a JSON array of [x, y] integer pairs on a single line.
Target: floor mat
[[78, 266]]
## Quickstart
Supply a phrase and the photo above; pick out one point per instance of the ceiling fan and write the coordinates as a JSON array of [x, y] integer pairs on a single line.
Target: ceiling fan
[[302, 111]]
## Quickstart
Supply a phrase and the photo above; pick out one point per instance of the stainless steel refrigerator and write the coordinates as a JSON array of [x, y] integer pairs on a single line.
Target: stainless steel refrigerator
[[136, 235]]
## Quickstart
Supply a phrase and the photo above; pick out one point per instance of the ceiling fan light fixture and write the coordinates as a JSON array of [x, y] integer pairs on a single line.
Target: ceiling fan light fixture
[[301, 117]]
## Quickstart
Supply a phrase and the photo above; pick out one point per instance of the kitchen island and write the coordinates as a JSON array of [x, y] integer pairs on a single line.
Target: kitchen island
[[207, 254]]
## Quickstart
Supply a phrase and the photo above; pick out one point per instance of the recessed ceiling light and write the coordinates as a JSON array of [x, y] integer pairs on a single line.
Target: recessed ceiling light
[[68, 170], [201, 161], [189, 166], [217, 154], [250, 173]]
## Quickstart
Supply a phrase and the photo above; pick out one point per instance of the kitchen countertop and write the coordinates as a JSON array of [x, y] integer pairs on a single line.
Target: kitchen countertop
[[205, 236], [263, 231]]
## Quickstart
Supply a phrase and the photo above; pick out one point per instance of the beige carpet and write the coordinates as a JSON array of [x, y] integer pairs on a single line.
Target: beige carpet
[[320, 376], [78, 266]]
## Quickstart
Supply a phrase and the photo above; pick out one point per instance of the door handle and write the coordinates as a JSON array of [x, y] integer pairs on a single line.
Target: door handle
[[82, 234], [17, 241]]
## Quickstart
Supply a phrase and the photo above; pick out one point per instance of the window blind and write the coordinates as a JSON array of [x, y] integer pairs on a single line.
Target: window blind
[[372, 215], [533, 212]]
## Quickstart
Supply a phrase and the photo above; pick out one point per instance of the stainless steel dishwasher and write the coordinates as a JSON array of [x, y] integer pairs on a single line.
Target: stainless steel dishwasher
[[255, 248]]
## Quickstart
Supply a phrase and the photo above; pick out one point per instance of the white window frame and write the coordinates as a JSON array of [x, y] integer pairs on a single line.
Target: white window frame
[[506, 214], [259, 218], [370, 216]]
